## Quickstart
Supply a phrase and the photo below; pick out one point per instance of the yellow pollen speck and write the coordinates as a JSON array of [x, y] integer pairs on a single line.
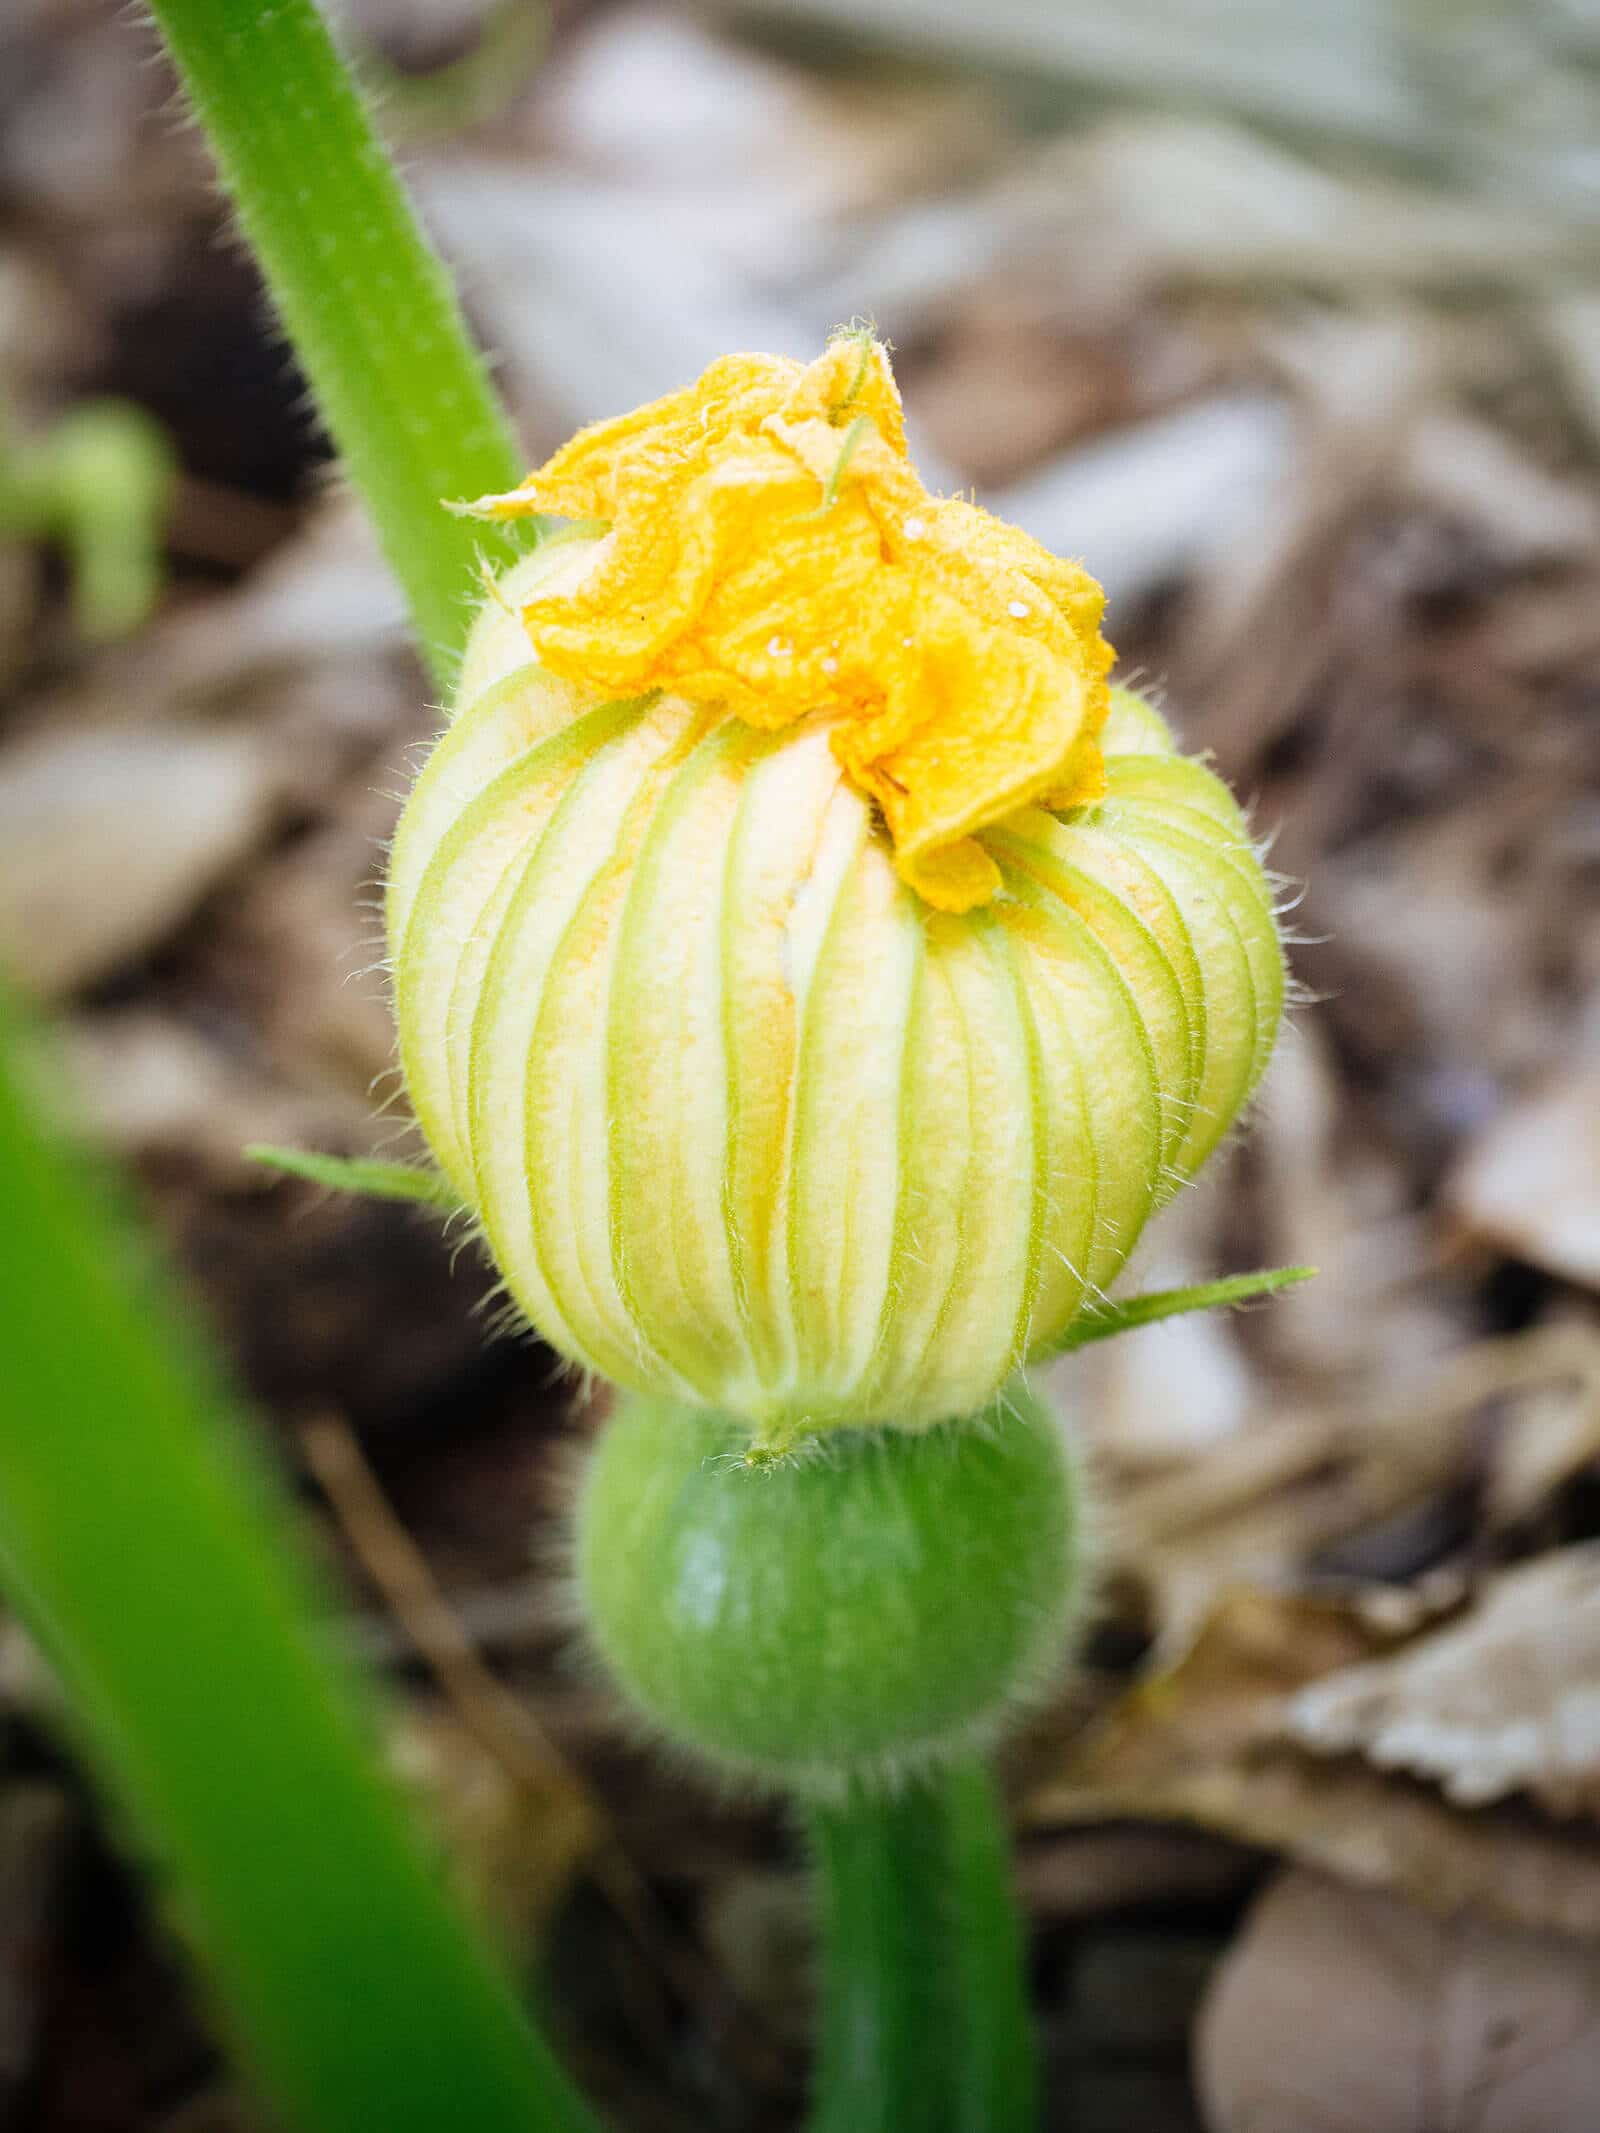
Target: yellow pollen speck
[[762, 515]]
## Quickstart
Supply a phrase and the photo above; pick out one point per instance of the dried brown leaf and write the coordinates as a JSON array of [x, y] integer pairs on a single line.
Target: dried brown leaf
[[1530, 1183], [1505, 1699], [1341, 2010], [1199, 1744], [109, 839], [1552, 1433], [146, 1083], [1085, 1873], [1262, 1504]]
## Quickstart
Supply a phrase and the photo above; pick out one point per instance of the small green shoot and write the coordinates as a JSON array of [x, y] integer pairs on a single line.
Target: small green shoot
[[98, 484]]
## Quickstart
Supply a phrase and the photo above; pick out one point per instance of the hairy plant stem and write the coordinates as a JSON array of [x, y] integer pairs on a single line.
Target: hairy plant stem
[[149, 1553], [881, 2049], [996, 2085], [366, 304], [925, 2025]]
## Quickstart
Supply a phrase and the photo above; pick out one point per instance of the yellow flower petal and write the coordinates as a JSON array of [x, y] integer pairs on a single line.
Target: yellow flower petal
[[773, 552]]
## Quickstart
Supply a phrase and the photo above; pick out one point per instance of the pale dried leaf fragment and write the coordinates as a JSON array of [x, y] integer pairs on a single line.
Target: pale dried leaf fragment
[[1531, 1182], [1200, 1744], [1470, 471], [1342, 2010], [1553, 1431], [109, 839], [1504, 1700], [1265, 1502], [148, 1084]]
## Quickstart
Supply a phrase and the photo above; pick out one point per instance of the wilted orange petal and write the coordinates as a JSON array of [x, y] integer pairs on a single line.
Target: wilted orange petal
[[773, 552]]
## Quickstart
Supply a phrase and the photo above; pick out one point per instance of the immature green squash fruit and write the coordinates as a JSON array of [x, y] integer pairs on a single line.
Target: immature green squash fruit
[[889, 1604], [809, 971]]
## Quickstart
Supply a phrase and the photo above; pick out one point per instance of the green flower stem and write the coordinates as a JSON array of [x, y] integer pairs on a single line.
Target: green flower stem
[[879, 1864], [925, 2024], [996, 2085], [154, 1562], [365, 301]]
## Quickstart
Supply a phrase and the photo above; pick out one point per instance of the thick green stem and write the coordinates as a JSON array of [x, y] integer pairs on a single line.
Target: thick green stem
[[996, 2086], [369, 309], [150, 1555], [925, 2025], [882, 2065]]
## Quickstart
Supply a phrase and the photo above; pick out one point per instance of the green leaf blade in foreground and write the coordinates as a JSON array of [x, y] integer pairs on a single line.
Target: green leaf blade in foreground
[[367, 305], [1101, 1322], [148, 1550], [367, 1176]]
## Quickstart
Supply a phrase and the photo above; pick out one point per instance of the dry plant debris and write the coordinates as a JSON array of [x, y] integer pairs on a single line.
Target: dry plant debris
[[1434, 2023], [1505, 1700], [1211, 1744]]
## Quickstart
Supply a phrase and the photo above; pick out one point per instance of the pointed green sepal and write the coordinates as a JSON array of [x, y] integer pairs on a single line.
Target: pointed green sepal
[[1099, 1322], [367, 1175]]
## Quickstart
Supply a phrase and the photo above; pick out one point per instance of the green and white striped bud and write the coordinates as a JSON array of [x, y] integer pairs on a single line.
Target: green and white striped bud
[[747, 1123]]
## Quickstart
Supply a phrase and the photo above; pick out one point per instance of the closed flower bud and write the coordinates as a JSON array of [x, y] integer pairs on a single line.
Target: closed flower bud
[[809, 971]]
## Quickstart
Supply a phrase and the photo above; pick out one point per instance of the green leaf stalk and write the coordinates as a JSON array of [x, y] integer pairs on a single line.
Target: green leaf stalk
[[368, 308]]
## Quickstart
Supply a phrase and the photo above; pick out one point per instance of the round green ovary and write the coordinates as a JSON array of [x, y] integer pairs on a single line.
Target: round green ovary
[[833, 1617]]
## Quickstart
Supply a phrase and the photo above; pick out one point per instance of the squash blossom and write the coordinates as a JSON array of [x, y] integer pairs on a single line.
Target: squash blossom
[[808, 969]]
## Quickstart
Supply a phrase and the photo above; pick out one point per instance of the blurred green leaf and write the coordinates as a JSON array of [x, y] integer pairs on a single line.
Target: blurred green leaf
[[99, 483], [149, 1550], [466, 91]]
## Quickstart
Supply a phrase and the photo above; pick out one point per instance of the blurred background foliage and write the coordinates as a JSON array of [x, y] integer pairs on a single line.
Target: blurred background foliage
[[1287, 321]]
